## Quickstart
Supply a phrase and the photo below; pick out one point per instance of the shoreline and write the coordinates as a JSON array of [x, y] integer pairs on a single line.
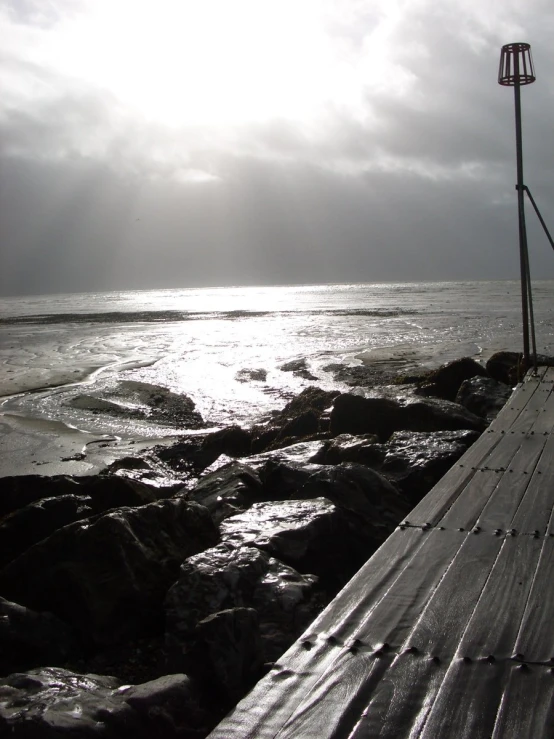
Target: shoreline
[[198, 563]]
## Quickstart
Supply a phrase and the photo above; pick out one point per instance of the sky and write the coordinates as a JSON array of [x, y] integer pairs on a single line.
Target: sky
[[189, 143]]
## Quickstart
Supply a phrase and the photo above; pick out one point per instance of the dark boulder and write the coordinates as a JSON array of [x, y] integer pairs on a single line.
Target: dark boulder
[[483, 396], [228, 490], [251, 375], [363, 491], [226, 654], [354, 414], [29, 639], [227, 577], [416, 461], [300, 454], [299, 368], [107, 576], [313, 536], [432, 414], [233, 441], [284, 481], [413, 460], [52, 702], [147, 469], [506, 367], [301, 418], [103, 492], [29, 525], [364, 449], [445, 381]]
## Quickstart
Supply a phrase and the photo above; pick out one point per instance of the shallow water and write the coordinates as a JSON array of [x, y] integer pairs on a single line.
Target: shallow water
[[63, 358]]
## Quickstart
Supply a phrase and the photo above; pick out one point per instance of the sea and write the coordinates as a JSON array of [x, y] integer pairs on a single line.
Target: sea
[[89, 364]]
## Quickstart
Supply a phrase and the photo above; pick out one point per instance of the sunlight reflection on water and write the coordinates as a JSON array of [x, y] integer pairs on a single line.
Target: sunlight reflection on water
[[209, 336]]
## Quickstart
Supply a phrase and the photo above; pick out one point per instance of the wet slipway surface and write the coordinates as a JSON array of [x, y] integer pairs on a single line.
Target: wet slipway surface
[[447, 630]]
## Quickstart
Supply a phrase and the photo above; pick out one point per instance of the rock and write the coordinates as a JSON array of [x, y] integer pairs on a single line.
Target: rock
[[354, 414], [311, 398], [363, 375], [228, 490], [300, 454], [169, 706], [161, 404], [364, 449], [29, 639], [363, 491], [432, 414], [103, 492], [302, 417], [299, 368], [53, 702], [483, 396], [445, 381], [416, 461], [247, 375], [148, 470], [284, 481], [505, 367], [227, 577], [227, 653], [29, 525], [313, 536], [188, 457], [233, 441], [107, 576]]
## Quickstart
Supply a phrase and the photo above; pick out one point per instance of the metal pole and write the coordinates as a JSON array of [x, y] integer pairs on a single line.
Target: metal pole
[[523, 258]]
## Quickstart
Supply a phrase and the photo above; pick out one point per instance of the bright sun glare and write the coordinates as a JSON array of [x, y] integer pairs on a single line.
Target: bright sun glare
[[204, 61]]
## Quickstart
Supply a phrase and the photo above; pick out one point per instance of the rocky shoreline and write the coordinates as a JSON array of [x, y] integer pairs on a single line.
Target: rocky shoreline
[[147, 600]]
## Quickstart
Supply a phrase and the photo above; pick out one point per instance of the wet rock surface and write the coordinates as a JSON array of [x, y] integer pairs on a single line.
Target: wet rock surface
[[36, 521], [313, 536], [30, 639], [106, 576], [103, 492], [445, 382], [483, 396], [227, 577], [354, 414], [53, 702], [228, 490], [181, 572], [299, 368]]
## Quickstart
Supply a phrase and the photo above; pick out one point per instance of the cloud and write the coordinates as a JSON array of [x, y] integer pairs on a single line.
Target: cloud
[[402, 166]]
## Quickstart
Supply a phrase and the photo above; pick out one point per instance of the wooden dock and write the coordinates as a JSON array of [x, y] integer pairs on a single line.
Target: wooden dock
[[448, 630]]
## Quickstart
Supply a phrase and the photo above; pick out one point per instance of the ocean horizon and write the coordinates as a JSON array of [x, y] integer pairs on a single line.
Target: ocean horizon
[[85, 364]]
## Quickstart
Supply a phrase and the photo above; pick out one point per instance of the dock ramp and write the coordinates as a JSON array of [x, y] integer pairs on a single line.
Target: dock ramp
[[448, 630]]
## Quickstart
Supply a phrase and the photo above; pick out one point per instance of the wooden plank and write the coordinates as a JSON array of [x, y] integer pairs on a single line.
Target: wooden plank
[[444, 494], [391, 620], [333, 706], [539, 406], [527, 708], [512, 487], [416, 675], [535, 640], [518, 401], [467, 701], [368, 587], [535, 510], [401, 702], [277, 695], [493, 628]]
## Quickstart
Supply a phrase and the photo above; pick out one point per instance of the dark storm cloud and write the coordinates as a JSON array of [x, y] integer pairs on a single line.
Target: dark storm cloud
[[418, 184]]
